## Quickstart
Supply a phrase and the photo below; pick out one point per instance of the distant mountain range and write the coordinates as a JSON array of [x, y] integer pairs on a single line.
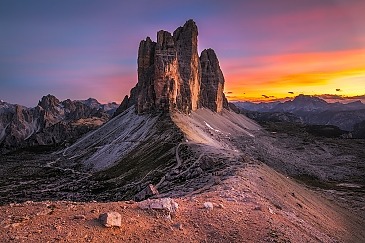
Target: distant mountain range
[[51, 122], [312, 110]]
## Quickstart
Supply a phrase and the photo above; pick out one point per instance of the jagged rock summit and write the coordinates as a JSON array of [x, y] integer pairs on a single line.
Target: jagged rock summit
[[51, 123], [172, 76]]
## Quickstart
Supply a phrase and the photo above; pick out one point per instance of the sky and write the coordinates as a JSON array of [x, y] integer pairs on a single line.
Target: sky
[[268, 49]]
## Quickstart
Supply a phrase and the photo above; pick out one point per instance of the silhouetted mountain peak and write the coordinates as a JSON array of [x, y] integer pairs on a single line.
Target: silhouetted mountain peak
[[308, 99]]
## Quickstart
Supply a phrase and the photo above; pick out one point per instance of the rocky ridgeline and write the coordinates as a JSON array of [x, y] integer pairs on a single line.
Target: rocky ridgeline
[[51, 122], [308, 110], [172, 76]]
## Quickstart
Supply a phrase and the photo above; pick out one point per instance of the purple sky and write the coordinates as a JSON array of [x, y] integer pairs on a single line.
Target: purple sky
[[84, 48]]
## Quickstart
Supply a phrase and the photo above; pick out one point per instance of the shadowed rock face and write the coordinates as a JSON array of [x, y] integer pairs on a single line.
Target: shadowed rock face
[[146, 54], [212, 83], [170, 74]]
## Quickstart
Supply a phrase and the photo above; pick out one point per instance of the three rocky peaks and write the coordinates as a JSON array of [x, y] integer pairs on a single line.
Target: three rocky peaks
[[172, 76]]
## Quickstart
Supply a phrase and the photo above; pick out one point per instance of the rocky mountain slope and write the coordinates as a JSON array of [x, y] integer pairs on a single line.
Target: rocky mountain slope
[[174, 136], [359, 130], [312, 110], [51, 122], [141, 144]]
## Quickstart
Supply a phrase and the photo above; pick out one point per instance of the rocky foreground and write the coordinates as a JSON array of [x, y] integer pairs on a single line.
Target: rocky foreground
[[256, 205]]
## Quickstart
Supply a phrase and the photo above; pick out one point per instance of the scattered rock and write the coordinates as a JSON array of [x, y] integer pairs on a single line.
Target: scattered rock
[[51, 207], [15, 205], [178, 226], [167, 204], [278, 206], [168, 217], [258, 208], [208, 205], [80, 217], [47, 211], [14, 225], [111, 219], [220, 205], [56, 227], [18, 219], [149, 191]]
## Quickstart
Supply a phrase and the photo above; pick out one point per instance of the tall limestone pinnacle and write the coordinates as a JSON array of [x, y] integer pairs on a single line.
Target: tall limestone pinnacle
[[186, 42], [172, 76], [212, 83]]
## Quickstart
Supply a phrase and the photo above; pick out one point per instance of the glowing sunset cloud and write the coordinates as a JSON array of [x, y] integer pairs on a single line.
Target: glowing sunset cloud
[[309, 73]]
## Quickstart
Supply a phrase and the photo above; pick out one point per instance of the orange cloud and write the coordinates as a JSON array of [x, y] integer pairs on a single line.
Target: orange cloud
[[301, 72]]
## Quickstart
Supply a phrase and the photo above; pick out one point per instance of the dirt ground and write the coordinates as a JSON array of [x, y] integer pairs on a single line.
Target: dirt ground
[[256, 205]]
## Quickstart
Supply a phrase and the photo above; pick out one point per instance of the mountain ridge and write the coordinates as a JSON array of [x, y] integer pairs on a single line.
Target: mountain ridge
[[313, 110], [51, 122]]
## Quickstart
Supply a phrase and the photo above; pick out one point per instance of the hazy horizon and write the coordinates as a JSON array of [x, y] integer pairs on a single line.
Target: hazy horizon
[[328, 99]]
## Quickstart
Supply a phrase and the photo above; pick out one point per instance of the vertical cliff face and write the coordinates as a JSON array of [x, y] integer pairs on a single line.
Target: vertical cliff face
[[170, 75], [212, 83], [186, 41], [166, 77], [169, 71], [146, 71]]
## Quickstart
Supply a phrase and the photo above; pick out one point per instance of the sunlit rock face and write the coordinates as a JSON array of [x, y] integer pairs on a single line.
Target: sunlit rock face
[[166, 72], [170, 74], [186, 42], [169, 71]]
